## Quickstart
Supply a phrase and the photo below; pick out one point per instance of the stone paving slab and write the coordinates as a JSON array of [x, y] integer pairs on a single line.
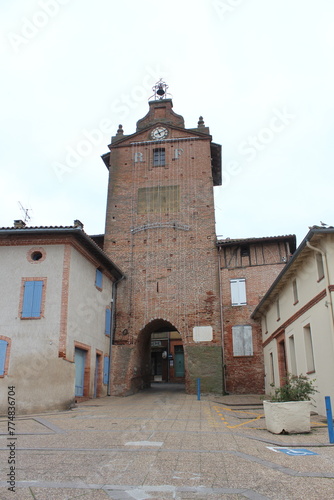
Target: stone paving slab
[[163, 444]]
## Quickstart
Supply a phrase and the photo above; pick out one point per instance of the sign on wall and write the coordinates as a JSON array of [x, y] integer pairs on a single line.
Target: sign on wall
[[202, 333]]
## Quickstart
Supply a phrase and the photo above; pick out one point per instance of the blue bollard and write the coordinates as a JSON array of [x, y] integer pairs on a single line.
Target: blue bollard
[[198, 389], [329, 419]]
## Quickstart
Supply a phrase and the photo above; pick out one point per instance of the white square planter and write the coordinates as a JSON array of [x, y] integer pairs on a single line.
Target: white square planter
[[290, 416]]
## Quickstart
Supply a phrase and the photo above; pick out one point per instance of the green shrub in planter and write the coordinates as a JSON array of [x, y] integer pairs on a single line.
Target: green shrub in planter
[[289, 409], [295, 388]]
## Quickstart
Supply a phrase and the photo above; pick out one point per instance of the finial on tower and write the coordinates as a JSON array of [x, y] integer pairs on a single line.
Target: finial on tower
[[160, 90], [120, 130], [200, 122]]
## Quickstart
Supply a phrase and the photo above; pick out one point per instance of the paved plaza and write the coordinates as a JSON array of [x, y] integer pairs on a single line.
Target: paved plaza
[[163, 444]]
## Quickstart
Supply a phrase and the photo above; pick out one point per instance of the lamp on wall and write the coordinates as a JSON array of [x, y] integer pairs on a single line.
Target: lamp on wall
[[164, 355]]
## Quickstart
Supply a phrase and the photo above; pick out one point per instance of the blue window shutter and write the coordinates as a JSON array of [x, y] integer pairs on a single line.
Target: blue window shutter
[[3, 351], [106, 370], [108, 322], [27, 299], [98, 278], [37, 299], [32, 299]]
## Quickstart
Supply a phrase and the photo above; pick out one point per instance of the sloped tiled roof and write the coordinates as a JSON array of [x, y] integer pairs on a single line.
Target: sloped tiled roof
[[288, 270], [236, 241], [76, 231]]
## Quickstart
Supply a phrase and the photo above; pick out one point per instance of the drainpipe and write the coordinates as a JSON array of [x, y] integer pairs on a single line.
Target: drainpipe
[[221, 319], [328, 293], [168, 352], [112, 326]]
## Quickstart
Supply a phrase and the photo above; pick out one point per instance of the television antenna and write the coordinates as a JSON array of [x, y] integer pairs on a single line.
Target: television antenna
[[25, 211]]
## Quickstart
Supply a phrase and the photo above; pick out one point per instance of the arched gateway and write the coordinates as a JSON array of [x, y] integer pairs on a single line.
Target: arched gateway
[[157, 356], [160, 230]]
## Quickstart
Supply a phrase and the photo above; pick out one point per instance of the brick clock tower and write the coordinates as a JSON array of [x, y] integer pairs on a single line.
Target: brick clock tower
[[160, 230]]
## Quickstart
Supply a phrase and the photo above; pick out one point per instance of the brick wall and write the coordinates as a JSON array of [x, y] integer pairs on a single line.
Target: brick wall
[[166, 248], [265, 260], [160, 230]]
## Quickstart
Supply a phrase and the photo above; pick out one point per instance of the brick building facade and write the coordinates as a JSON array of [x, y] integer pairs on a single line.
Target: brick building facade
[[157, 297], [57, 289], [297, 317], [247, 269], [160, 230]]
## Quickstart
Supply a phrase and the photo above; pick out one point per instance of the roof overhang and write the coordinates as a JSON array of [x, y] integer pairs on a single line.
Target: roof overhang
[[216, 163], [290, 238], [59, 232], [302, 253], [106, 159]]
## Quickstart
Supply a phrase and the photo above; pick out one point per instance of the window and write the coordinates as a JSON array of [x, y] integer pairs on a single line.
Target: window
[[159, 157], [320, 266], [310, 367], [244, 251], [281, 358], [278, 312], [238, 292], [98, 279], [242, 340], [295, 292], [32, 299], [271, 365], [3, 354], [108, 321], [293, 361], [36, 255], [106, 370]]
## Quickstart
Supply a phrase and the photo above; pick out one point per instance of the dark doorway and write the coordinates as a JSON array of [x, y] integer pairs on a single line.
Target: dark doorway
[[80, 362], [179, 361], [160, 349], [282, 364]]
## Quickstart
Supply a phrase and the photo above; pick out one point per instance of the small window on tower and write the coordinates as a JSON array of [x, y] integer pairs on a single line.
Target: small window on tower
[[159, 157], [244, 251]]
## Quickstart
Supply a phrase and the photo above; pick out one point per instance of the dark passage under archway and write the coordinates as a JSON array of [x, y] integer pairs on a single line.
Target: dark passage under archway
[[160, 354]]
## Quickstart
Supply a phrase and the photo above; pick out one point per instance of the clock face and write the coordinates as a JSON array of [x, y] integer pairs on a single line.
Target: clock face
[[159, 133]]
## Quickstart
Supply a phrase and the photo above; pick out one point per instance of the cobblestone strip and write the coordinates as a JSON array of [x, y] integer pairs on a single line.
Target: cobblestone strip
[[125, 492], [250, 458], [49, 425]]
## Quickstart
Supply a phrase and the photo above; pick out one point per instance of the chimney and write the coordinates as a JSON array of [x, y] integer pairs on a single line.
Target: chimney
[[19, 224], [78, 223]]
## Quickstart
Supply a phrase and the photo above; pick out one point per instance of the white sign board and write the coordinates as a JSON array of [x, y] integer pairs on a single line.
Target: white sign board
[[202, 333]]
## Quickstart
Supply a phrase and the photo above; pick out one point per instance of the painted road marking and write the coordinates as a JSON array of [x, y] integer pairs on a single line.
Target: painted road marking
[[144, 443], [257, 416], [297, 452], [219, 410], [212, 422]]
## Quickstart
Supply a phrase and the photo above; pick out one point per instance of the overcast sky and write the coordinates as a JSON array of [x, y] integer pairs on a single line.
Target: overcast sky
[[261, 72]]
